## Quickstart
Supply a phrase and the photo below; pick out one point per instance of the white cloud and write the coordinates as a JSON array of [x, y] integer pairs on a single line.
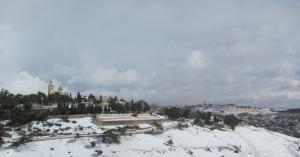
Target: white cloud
[[196, 61], [97, 75], [25, 83]]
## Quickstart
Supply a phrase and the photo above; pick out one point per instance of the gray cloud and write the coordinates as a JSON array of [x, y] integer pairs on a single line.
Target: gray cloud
[[169, 52]]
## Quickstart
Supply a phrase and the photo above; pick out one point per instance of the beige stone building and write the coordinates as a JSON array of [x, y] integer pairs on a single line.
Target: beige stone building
[[128, 119], [51, 87], [104, 102], [62, 91]]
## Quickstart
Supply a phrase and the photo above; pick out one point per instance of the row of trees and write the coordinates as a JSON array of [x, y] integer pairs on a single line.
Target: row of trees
[[66, 105], [201, 118], [174, 113]]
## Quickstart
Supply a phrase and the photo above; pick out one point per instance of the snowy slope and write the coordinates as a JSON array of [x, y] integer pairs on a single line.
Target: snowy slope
[[192, 141]]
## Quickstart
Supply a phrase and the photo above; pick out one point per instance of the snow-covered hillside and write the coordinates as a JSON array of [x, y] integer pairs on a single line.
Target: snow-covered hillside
[[191, 141]]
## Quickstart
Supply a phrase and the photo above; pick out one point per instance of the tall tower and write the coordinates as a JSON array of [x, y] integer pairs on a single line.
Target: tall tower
[[51, 87]]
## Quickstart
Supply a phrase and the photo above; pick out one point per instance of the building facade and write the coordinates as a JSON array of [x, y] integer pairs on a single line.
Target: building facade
[[51, 87]]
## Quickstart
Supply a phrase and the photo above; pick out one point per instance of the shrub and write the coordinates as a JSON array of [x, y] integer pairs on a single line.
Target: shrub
[[77, 135], [80, 128], [57, 124], [21, 141], [157, 125], [109, 137], [199, 122], [169, 143], [1, 141], [122, 130], [231, 121], [182, 126], [93, 144], [173, 113], [134, 115], [99, 152], [66, 119]]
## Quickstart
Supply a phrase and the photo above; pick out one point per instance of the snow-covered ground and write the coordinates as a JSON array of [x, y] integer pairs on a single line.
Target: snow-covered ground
[[191, 141], [57, 126]]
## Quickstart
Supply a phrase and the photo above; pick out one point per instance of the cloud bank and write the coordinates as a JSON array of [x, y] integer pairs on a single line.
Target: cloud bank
[[168, 52]]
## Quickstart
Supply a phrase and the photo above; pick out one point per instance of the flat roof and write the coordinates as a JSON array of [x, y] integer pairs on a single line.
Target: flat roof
[[128, 117]]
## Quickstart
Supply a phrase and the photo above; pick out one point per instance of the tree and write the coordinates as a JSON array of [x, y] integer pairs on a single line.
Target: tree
[[62, 108], [1, 131], [81, 108], [98, 109], [118, 107], [216, 119], [79, 98], [92, 98], [90, 109], [203, 117], [127, 107], [146, 107], [231, 121], [173, 113], [7, 100], [207, 117], [107, 109], [27, 104], [100, 99], [186, 113], [42, 98]]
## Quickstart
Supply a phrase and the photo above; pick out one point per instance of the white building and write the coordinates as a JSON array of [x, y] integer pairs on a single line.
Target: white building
[[51, 87]]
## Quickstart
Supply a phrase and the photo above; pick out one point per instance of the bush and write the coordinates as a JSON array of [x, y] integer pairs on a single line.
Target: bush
[[21, 141], [173, 113], [122, 130], [158, 126], [199, 122], [19, 117], [109, 137], [134, 115], [93, 144], [66, 119], [181, 126], [169, 143], [231, 121], [1, 141], [99, 152], [77, 135]]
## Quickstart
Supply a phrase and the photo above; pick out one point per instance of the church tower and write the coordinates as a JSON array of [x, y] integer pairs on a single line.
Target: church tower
[[51, 87]]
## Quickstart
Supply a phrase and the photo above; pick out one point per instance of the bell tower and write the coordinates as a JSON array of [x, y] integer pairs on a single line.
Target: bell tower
[[51, 87]]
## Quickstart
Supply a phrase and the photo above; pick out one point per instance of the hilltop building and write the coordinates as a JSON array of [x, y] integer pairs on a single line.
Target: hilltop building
[[104, 102], [129, 119], [62, 91], [52, 89]]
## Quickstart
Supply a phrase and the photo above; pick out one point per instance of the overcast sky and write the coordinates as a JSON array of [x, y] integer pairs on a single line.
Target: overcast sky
[[168, 52]]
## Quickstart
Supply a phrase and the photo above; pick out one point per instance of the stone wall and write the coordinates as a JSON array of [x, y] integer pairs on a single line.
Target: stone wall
[[128, 119], [130, 122], [73, 116]]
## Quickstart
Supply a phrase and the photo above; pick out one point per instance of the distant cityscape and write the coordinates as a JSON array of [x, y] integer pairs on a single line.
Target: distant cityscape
[[286, 121]]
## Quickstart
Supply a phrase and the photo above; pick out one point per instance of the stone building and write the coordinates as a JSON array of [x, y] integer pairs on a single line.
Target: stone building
[[128, 119], [62, 91], [51, 87], [104, 102]]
